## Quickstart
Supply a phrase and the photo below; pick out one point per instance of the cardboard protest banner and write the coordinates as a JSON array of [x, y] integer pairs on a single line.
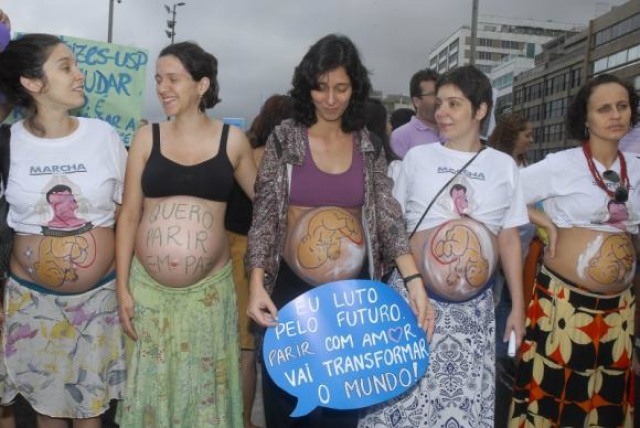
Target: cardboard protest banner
[[345, 345], [114, 83]]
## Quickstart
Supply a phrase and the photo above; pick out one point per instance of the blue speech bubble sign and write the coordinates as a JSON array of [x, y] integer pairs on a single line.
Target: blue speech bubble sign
[[345, 345]]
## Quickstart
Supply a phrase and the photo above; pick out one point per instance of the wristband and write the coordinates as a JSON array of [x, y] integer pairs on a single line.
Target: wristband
[[410, 278]]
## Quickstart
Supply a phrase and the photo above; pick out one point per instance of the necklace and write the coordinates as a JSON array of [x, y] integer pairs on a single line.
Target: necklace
[[624, 179]]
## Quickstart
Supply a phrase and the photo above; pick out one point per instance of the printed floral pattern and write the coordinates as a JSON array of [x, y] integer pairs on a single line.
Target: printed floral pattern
[[458, 389], [64, 354], [576, 365]]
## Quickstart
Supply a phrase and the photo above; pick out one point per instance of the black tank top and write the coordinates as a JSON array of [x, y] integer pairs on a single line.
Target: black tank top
[[211, 180]]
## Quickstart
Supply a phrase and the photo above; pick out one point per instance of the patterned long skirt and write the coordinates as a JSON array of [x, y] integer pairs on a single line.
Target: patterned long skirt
[[458, 389], [183, 371], [576, 359], [64, 353]]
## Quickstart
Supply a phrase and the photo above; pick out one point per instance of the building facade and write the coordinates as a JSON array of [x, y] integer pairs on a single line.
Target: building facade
[[498, 38], [611, 44]]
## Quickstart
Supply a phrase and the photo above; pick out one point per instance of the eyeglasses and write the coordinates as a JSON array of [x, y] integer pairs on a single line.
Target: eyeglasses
[[621, 193]]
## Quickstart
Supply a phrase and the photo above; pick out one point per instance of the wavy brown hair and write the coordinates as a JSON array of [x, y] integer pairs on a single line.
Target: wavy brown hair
[[505, 134]]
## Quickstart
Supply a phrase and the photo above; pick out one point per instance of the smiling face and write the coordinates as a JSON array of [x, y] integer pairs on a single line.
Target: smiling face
[[63, 83], [176, 89], [608, 113], [333, 95], [454, 114]]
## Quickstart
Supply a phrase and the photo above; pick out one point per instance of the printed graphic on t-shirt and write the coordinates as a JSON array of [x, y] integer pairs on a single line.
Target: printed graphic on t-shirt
[[62, 207], [458, 198], [615, 213]]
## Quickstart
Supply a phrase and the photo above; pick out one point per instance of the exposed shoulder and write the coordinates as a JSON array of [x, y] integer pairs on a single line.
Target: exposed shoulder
[[142, 142]]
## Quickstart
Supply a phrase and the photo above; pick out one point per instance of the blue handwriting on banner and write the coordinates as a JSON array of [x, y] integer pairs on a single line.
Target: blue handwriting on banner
[[345, 345]]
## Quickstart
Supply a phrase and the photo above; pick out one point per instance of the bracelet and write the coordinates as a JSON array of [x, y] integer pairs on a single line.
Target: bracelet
[[410, 278]]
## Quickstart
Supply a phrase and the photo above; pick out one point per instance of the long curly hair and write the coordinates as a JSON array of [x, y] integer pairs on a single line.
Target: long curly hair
[[329, 53], [505, 134]]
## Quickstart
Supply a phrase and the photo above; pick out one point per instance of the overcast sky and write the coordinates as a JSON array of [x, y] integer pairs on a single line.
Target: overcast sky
[[259, 42]]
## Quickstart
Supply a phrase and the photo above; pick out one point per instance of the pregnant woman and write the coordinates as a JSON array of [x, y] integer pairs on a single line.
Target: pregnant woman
[[62, 344], [577, 354], [175, 284], [323, 210], [464, 204]]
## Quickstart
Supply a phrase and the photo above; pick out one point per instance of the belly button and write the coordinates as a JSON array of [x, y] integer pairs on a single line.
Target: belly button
[[174, 263]]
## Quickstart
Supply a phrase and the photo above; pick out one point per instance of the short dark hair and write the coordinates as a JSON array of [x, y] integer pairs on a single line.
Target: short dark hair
[[25, 57], [421, 76], [473, 83], [401, 116], [199, 64], [577, 112], [274, 110], [327, 54]]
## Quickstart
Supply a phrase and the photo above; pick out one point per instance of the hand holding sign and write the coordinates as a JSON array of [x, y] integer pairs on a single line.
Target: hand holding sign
[[345, 345]]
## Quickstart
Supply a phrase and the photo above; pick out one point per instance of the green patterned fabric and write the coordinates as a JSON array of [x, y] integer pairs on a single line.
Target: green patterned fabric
[[183, 371]]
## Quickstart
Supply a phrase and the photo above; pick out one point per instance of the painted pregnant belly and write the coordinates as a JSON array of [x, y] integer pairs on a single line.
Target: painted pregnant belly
[[176, 243], [326, 244], [459, 259], [608, 260]]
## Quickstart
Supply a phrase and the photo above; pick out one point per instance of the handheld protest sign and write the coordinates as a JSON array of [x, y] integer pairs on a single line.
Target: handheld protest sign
[[345, 345]]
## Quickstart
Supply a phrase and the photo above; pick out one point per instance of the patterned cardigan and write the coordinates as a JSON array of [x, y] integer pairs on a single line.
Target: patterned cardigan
[[383, 222]]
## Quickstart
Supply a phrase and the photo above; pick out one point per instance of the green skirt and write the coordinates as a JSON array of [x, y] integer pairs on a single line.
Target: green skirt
[[183, 371]]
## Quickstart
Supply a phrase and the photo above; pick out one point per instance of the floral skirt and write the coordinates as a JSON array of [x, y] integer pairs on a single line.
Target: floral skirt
[[64, 353], [576, 359], [458, 388], [183, 371]]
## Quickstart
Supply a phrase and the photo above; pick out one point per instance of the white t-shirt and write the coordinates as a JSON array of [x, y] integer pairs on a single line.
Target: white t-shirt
[[571, 197], [488, 191], [57, 185]]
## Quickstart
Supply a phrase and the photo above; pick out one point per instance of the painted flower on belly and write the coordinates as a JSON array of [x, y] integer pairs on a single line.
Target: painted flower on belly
[[565, 327]]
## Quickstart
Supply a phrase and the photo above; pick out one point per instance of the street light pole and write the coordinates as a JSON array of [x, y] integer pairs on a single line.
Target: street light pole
[[474, 32], [110, 28], [171, 24]]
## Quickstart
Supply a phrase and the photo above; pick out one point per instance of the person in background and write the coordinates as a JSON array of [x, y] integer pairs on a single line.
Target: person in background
[[5, 106], [462, 204], [237, 221], [400, 117], [512, 135], [422, 128], [576, 367], [175, 279], [323, 181], [62, 348], [376, 123]]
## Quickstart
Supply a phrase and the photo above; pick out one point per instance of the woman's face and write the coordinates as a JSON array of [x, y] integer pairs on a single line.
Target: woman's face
[[608, 113], [523, 141], [333, 95], [454, 114], [64, 81], [176, 89]]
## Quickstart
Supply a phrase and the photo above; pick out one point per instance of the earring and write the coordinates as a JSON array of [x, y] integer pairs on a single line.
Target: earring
[[586, 132]]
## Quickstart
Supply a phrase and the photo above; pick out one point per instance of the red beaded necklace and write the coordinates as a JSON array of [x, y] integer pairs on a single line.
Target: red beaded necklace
[[624, 178]]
